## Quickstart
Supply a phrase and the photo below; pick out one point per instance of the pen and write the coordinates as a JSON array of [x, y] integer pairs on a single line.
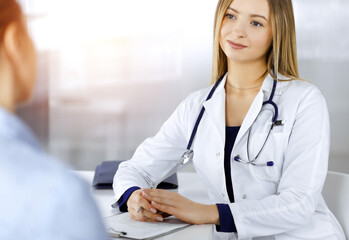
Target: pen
[[116, 234], [140, 208]]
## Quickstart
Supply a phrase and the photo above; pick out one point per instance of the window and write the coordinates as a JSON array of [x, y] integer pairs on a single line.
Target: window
[[114, 71]]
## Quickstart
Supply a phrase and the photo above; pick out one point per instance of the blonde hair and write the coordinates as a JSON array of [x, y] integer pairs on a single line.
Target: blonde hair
[[281, 56]]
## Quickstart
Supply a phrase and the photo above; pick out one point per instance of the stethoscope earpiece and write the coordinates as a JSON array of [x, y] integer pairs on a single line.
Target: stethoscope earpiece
[[237, 158], [270, 163]]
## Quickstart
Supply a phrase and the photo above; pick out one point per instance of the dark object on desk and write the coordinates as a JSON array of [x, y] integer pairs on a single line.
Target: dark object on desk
[[104, 174]]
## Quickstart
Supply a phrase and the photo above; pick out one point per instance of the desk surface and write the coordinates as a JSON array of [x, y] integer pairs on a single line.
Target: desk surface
[[190, 186]]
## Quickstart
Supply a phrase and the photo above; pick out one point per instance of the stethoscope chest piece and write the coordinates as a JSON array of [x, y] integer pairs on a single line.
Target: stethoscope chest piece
[[187, 156]]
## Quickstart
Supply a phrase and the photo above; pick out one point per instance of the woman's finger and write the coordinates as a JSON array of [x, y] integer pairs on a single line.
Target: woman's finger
[[140, 209], [146, 216], [138, 203], [152, 217], [164, 208], [172, 199], [159, 193]]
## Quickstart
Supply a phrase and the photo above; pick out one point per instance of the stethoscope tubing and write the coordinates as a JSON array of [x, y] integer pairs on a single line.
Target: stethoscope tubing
[[198, 120], [189, 152]]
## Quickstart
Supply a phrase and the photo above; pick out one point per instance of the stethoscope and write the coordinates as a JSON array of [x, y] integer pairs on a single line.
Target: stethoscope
[[188, 154]]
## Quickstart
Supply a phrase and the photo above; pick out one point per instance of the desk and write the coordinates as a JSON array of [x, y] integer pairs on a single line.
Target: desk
[[190, 186]]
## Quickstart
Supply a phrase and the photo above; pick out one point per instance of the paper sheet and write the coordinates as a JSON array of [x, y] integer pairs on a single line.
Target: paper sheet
[[142, 230]]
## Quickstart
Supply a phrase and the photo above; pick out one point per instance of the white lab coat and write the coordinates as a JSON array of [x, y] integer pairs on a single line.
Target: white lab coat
[[279, 202]]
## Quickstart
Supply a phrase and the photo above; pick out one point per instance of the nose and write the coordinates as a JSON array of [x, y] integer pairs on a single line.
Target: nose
[[239, 30]]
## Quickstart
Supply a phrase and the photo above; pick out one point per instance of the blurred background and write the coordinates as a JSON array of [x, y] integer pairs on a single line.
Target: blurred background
[[110, 72]]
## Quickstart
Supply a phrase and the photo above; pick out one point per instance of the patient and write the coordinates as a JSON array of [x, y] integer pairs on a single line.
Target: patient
[[39, 198]]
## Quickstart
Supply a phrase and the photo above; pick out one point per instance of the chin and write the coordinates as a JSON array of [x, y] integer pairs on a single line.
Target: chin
[[241, 59], [237, 56]]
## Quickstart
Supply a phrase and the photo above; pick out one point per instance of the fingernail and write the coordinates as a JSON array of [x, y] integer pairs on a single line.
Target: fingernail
[[153, 210], [159, 219], [145, 195], [154, 203]]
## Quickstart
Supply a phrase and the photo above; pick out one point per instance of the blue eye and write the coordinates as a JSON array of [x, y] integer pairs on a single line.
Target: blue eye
[[230, 16], [256, 24]]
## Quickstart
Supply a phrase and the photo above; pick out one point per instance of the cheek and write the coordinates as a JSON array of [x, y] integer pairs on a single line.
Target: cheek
[[225, 30], [263, 42]]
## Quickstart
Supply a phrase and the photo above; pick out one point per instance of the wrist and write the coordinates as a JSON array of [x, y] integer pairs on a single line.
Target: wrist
[[131, 195], [212, 214]]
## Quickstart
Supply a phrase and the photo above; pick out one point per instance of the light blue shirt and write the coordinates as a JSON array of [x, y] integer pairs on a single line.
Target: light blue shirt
[[39, 198]]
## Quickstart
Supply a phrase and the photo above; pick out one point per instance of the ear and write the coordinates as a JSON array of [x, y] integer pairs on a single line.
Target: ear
[[12, 45], [19, 56]]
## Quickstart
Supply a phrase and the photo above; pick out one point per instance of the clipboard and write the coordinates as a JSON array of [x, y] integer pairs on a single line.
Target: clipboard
[[122, 226]]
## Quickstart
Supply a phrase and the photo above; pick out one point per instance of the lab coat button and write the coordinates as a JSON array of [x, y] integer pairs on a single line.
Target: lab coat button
[[244, 196], [223, 195], [218, 154]]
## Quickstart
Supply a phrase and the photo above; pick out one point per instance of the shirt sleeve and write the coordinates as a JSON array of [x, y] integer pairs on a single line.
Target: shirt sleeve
[[123, 199], [226, 219], [74, 204]]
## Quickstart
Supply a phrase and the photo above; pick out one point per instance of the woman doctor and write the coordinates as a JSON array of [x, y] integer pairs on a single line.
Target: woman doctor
[[261, 145]]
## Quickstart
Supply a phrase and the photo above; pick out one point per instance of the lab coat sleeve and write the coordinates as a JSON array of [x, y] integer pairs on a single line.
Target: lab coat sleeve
[[122, 202], [303, 175], [157, 157]]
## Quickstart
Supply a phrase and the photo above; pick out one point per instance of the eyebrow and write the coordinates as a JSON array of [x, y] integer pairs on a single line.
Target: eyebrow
[[252, 15]]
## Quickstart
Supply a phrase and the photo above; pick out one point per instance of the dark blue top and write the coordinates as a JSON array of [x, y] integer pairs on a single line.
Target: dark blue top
[[226, 219], [230, 136]]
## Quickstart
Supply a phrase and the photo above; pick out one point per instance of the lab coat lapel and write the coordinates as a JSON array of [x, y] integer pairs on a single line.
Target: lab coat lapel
[[215, 109], [251, 115], [256, 106]]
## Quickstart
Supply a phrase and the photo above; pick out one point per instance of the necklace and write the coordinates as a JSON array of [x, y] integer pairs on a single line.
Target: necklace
[[243, 88], [249, 87]]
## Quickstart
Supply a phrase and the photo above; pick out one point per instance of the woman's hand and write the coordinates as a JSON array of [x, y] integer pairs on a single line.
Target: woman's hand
[[140, 208], [182, 208]]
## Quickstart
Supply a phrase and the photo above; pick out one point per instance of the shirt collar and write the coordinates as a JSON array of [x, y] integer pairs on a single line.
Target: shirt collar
[[267, 85]]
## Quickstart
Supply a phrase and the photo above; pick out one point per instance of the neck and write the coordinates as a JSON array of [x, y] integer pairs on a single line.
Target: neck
[[245, 76]]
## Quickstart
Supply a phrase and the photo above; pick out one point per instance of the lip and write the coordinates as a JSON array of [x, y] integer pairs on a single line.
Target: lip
[[236, 46]]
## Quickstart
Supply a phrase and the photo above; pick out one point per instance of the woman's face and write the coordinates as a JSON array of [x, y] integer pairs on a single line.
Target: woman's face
[[246, 33]]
